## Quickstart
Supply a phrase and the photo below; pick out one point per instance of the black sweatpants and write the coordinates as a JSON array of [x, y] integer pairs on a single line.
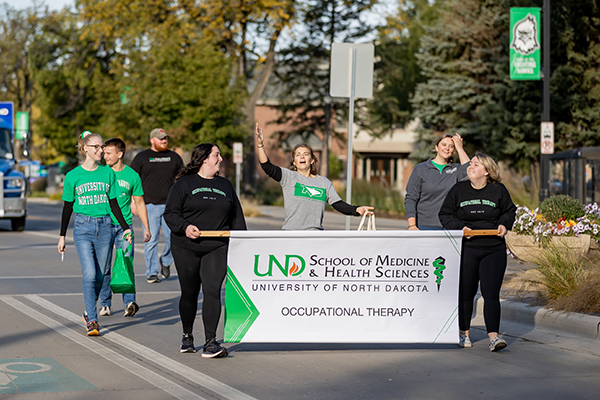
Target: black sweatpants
[[195, 268], [485, 267]]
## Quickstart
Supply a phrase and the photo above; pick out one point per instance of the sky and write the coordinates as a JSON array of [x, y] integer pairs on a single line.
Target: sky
[[52, 4], [387, 5]]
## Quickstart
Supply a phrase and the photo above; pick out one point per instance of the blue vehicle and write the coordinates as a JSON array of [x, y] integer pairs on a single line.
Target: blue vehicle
[[13, 203]]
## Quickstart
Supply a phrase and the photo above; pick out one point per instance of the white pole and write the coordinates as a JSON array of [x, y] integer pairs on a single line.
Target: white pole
[[349, 163], [237, 179]]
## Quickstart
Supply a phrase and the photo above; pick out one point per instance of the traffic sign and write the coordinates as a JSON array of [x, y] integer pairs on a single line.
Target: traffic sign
[[547, 138], [238, 156]]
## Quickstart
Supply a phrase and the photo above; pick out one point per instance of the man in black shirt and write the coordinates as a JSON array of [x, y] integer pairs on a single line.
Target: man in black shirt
[[157, 167]]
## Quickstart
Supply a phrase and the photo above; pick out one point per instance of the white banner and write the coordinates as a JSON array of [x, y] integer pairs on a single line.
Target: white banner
[[343, 286]]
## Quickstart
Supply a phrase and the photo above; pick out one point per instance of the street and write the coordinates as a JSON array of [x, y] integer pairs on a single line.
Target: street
[[44, 349]]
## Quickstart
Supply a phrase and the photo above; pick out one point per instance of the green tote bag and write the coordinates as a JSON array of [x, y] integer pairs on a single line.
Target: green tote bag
[[123, 277]]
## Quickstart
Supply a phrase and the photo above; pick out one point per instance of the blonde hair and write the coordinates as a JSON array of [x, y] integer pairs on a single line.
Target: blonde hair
[[84, 139], [490, 166]]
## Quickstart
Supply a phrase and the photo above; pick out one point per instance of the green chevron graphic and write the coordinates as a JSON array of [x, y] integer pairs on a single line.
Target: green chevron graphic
[[240, 312]]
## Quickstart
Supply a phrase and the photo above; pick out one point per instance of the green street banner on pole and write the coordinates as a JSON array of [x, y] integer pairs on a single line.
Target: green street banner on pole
[[525, 49], [342, 287], [22, 125]]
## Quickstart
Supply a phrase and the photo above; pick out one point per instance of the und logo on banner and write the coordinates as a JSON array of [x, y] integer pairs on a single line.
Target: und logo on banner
[[525, 36]]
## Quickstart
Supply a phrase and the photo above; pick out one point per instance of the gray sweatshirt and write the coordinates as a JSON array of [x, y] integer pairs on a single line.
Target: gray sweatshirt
[[427, 188]]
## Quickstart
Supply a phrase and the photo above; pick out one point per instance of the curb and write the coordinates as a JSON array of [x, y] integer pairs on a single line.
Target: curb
[[543, 318]]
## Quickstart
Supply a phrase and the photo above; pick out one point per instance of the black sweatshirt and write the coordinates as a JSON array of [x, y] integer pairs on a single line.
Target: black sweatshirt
[[485, 208], [209, 204]]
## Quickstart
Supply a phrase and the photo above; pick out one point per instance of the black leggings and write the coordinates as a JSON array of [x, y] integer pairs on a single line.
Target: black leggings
[[195, 268], [486, 267]]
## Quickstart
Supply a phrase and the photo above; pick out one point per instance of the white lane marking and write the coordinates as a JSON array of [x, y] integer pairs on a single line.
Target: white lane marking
[[146, 374], [175, 292], [54, 276], [151, 355]]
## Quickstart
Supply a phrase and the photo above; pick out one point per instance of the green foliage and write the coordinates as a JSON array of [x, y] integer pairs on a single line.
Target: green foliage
[[302, 75], [336, 166], [464, 57], [397, 71], [383, 199], [269, 192], [561, 207], [561, 271]]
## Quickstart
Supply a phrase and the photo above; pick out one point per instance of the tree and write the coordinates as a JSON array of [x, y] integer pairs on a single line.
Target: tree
[[465, 59], [302, 76], [247, 31], [397, 71]]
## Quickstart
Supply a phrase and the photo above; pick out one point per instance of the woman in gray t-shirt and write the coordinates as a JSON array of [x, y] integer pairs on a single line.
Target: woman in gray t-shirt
[[304, 192]]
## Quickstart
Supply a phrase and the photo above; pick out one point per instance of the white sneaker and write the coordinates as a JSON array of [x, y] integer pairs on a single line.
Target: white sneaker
[[465, 341], [497, 344], [104, 311]]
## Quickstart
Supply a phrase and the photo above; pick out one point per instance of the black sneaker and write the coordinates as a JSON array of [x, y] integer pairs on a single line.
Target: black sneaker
[[212, 349], [152, 279], [131, 309], [165, 270], [187, 344]]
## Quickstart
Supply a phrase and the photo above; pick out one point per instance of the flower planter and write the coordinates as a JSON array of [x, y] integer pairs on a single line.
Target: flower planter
[[527, 249]]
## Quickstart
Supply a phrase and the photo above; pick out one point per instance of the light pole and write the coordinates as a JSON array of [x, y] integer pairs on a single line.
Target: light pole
[[545, 158]]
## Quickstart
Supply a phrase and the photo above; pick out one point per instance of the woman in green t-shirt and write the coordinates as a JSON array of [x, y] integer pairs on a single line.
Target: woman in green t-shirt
[[90, 190]]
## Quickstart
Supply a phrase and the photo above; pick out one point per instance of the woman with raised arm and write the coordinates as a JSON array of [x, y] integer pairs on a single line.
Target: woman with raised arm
[[91, 191], [431, 180], [305, 193], [482, 202]]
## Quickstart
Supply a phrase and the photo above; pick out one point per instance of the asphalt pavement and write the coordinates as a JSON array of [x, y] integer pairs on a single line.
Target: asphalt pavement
[[44, 352]]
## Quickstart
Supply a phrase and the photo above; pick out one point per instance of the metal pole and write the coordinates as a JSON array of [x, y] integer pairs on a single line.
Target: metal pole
[[237, 178], [349, 163], [326, 148], [545, 158]]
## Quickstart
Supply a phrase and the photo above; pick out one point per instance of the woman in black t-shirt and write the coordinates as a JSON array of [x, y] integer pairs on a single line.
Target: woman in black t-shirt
[[201, 200], [480, 203]]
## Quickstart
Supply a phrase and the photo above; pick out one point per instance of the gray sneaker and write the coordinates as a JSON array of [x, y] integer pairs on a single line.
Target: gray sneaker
[[497, 344], [152, 279], [465, 341]]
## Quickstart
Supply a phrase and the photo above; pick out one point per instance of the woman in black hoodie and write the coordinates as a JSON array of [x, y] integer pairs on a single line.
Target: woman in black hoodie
[[480, 203]]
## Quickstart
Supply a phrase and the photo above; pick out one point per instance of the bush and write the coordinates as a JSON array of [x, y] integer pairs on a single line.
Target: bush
[[269, 192], [562, 273], [561, 207], [383, 199]]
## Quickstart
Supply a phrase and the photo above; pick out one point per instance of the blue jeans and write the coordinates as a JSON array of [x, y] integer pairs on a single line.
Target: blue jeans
[[93, 239], [155, 221], [106, 293]]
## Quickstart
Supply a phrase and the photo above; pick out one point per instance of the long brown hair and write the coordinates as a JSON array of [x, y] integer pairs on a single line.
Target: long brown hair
[[199, 154], [313, 165]]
